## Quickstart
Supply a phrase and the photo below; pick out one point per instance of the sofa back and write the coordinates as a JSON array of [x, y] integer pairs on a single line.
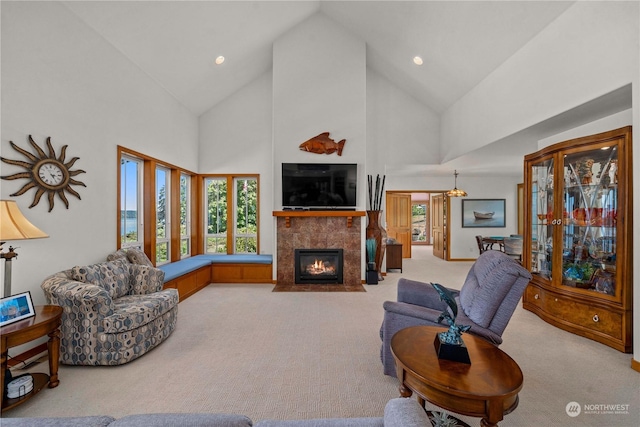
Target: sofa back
[[493, 289], [112, 276], [133, 255]]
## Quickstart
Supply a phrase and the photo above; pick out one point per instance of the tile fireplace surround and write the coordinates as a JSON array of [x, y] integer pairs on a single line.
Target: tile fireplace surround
[[319, 230]]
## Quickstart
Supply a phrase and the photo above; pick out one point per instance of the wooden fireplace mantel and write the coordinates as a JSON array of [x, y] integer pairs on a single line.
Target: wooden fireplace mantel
[[288, 214]]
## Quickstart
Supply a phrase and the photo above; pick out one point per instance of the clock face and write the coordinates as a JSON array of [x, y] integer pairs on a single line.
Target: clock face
[[47, 173], [51, 174]]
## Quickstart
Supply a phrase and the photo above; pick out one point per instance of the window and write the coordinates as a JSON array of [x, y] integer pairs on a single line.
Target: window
[[160, 215], [131, 213], [246, 218], [216, 215], [231, 212], [185, 215], [163, 215]]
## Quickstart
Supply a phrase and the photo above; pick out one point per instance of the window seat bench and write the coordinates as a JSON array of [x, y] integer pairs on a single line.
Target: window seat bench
[[191, 274]]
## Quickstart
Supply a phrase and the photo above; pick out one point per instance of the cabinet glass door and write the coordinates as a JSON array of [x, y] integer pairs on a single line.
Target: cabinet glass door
[[542, 217], [590, 202]]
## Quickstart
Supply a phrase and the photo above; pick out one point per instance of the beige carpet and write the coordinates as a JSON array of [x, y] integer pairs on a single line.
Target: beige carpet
[[319, 288], [291, 355]]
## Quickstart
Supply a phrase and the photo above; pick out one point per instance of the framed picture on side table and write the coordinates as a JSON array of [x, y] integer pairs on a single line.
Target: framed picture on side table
[[16, 307]]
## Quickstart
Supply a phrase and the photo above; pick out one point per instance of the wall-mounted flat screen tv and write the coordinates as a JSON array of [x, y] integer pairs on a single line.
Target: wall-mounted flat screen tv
[[330, 185]]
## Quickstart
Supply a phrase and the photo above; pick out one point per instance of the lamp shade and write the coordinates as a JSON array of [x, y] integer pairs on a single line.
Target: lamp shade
[[14, 226], [456, 192]]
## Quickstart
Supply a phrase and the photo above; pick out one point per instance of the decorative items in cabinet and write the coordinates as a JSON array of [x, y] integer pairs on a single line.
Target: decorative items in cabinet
[[578, 234]]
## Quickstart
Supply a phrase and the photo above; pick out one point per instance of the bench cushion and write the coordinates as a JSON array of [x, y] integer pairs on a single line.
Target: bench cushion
[[187, 265], [238, 258], [182, 267]]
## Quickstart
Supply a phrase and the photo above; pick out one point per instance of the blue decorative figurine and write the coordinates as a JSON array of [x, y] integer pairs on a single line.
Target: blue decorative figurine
[[449, 345]]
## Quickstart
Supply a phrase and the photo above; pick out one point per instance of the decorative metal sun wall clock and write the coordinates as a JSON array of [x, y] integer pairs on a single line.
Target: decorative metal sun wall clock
[[45, 172]]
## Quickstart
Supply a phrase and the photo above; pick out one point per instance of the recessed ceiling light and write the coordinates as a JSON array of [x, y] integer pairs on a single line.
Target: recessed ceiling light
[[417, 60], [219, 60]]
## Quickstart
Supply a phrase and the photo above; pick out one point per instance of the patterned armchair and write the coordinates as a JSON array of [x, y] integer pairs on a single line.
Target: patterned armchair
[[486, 302], [113, 312]]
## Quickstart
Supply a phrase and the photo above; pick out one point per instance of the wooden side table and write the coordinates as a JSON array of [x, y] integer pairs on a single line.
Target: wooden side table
[[45, 322], [394, 256], [486, 388]]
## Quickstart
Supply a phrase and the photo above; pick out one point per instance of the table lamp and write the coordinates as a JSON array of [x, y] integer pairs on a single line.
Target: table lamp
[[14, 226]]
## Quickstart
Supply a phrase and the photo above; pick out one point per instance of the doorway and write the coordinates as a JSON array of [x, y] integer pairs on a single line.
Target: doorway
[[418, 218]]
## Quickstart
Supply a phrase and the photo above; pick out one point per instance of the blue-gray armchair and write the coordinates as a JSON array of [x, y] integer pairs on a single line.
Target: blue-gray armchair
[[486, 302]]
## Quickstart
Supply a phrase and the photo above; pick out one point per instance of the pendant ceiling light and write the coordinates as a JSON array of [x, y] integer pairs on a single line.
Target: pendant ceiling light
[[455, 192]]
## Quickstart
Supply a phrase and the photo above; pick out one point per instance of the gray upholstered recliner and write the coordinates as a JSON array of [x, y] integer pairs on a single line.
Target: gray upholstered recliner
[[486, 302]]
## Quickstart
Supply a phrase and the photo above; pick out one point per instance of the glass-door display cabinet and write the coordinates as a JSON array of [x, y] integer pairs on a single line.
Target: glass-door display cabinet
[[578, 231]]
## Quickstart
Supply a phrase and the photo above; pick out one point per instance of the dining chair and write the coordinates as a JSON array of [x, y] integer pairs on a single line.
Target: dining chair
[[513, 247], [481, 245]]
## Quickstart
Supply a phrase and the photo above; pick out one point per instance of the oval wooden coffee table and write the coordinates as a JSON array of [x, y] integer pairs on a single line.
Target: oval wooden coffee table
[[486, 388]]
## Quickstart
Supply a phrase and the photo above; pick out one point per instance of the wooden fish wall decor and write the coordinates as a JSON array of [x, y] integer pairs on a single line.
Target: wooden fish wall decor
[[322, 144]]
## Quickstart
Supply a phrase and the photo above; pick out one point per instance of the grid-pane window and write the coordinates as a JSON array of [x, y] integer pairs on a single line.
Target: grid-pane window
[[216, 215], [246, 217], [131, 214], [185, 216], [163, 216]]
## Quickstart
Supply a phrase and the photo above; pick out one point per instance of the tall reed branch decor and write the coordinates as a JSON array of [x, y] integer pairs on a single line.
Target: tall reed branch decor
[[374, 230], [375, 196]]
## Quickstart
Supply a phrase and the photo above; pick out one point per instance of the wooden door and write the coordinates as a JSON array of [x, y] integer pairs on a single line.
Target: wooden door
[[399, 220], [438, 224]]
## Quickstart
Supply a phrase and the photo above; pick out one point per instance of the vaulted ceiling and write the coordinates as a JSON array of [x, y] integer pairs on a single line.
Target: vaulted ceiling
[[176, 42], [460, 42]]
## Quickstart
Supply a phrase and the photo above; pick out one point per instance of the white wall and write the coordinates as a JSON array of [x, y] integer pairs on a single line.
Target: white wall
[[400, 129], [60, 79], [236, 137], [319, 85], [590, 50], [615, 121]]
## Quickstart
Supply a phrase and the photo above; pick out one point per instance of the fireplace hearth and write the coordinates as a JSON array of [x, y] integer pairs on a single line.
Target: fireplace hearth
[[318, 266]]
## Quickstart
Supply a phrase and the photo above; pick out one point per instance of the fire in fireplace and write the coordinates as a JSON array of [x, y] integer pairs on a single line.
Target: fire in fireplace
[[318, 266]]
